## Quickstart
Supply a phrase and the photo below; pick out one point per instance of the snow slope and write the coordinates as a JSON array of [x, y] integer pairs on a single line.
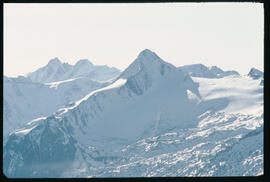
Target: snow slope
[[25, 100], [55, 70], [244, 94], [152, 87], [228, 142], [153, 120]]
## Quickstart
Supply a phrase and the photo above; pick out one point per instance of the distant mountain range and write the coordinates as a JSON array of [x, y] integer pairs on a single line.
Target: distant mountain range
[[55, 70], [152, 119], [200, 70]]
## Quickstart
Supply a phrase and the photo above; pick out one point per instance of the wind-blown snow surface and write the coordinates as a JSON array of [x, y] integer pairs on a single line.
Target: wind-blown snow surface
[[55, 71], [154, 120]]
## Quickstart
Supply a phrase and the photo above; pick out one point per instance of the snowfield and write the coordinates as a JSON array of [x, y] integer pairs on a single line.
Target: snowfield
[[224, 143], [153, 120], [245, 94]]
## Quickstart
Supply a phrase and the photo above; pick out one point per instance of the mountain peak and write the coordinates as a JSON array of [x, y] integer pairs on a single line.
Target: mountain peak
[[149, 63], [150, 60], [255, 73], [84, 62], [148, 54], [54, 61]]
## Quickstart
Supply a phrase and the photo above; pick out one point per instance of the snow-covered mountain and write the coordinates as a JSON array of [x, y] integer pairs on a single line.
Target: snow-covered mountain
[[25, 100], [200, 70], [24, 97], [153, 120], [256, 74], [55, 70]]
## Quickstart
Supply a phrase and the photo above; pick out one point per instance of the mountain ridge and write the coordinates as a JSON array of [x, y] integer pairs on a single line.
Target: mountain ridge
[[200, 70], [152, 120], [55, 70]]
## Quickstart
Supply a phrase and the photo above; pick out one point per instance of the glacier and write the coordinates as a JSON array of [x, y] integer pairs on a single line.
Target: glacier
[[152, 120]]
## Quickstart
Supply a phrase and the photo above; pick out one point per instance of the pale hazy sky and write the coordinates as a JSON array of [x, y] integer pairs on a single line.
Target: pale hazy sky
[[228, 35]]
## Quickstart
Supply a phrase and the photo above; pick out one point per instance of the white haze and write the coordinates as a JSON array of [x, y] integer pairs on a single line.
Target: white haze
[[228, 35]]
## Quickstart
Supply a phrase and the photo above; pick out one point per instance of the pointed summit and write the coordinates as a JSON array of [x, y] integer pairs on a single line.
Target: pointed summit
[[149, 58], [54, 61], [147, 71], [146, 53], [149, 63]]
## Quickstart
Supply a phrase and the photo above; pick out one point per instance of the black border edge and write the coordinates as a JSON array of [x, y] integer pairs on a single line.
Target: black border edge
[[263, 177]]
